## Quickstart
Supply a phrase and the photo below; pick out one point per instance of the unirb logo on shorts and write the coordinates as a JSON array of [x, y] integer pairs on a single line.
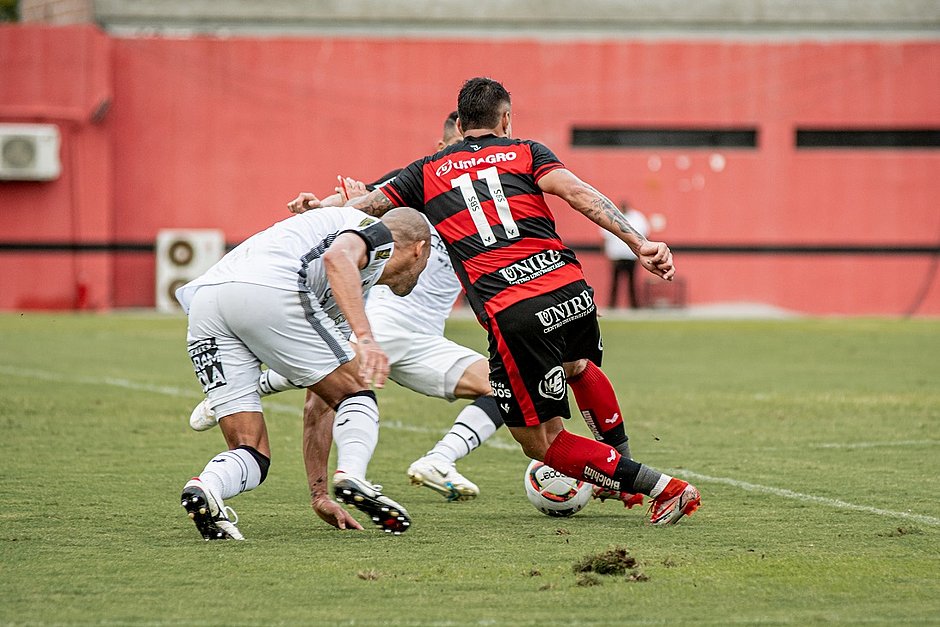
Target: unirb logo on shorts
[[575, 307]]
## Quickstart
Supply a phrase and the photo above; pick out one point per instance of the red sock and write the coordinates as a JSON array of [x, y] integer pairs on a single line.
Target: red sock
[[591, 461], [598, 404]]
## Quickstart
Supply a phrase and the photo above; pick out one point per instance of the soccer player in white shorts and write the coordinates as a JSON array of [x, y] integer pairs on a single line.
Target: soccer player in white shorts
[[410, 329], [289, 297]]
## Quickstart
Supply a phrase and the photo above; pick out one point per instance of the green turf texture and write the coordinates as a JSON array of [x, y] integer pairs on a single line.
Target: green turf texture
[[815, 444]]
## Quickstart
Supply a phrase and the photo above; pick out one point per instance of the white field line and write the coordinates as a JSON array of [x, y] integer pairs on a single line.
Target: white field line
[[790, 494], [176, 392], [854, 445], [397, 425]]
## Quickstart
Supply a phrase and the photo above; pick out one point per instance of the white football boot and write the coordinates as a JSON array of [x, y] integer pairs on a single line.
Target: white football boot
[[443, 478], [203, 418]]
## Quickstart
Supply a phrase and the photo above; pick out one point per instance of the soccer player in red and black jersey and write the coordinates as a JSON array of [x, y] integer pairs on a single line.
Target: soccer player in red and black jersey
[[484, 195]]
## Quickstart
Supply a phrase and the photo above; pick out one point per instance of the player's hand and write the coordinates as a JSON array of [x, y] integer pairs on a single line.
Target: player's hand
[[334, 513], [350, 188], [373, 362], [657, 258], [303, 202]]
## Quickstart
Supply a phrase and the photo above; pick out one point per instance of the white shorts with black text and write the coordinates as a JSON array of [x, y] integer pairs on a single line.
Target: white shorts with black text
[[235, 327]]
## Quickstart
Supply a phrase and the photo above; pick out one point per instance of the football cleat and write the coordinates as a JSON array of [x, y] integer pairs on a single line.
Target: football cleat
[[367, 498], [209, 513], [629, 499], [203, 418], [443, 478], [678, 499]]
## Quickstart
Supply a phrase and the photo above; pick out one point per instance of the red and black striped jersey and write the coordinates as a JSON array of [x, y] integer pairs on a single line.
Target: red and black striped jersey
[[482, 196]]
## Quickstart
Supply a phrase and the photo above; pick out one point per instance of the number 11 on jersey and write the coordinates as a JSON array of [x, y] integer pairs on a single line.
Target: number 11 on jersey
[[491, 176]]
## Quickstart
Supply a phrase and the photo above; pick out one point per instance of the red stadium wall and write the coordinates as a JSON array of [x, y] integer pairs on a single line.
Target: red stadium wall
[[210, 132], [63, 77]]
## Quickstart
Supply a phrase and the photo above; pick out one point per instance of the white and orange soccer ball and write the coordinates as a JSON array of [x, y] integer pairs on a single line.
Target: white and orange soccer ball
[[553, 493]]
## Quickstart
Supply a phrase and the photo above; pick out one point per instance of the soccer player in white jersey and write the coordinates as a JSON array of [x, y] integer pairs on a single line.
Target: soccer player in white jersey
[[411, 331], [289, 297]]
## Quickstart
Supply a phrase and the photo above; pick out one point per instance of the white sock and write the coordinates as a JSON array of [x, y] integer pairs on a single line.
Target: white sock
[[471, 429], [271, 382], [230, 473], [356, 432]]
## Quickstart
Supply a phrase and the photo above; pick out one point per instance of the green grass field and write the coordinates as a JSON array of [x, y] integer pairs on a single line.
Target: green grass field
[[815, 444]]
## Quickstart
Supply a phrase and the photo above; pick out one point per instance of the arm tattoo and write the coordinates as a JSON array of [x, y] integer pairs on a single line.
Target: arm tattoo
[[375, 203], [602, 206]]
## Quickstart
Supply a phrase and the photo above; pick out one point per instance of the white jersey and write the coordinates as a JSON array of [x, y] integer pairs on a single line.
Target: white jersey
[[426, 308], [289, 256]]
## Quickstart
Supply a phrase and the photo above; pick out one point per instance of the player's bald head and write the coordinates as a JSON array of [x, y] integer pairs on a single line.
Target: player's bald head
[[407, 226], [412, 237]]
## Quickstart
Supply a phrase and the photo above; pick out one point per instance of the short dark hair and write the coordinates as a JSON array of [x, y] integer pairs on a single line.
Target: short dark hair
[[450, 124], [479, 103]]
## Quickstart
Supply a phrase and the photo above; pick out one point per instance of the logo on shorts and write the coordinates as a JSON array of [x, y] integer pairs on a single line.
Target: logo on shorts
[[207, 363], [368, 221], [557, 315], [500, 390], [383, 254], [552, 385], [532, 267]]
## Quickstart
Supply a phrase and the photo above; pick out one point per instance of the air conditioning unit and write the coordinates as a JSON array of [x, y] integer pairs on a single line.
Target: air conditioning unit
[[183, 255], [29, 152]]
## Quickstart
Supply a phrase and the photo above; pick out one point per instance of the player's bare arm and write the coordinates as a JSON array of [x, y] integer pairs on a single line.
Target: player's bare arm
[[375, 203], [347, 188], [318, 437], [345, 257], [654, 256]]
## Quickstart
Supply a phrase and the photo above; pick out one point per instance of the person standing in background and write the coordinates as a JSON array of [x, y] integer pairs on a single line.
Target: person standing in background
[[622, 258]]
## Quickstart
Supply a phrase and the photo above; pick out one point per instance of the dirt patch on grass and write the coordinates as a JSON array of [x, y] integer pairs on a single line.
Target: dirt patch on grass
[[613, 561]]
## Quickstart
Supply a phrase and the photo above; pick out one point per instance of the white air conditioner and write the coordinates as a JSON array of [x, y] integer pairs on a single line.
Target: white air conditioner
[[183, 255], [29, 152]]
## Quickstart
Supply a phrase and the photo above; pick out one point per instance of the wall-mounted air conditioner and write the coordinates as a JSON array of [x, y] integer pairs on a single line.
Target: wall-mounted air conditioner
[[183, 255], [29, 152]]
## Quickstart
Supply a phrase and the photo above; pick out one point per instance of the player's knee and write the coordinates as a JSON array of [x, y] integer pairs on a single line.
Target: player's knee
[[574, 368], [532, 449], [264, 462], [342, 382], [369, 394], [532, 440], [475, 381]]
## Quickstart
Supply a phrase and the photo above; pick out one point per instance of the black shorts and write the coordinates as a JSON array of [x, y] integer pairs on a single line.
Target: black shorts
[[529, 342]]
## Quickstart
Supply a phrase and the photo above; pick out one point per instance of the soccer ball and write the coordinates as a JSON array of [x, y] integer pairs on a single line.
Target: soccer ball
[[553, 493]]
